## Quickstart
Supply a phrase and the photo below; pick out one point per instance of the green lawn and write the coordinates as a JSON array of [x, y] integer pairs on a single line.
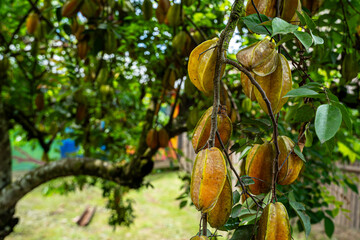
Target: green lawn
[[157, 215]]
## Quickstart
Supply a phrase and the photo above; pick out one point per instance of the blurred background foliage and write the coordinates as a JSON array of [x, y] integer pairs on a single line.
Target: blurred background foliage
[[91, 77]]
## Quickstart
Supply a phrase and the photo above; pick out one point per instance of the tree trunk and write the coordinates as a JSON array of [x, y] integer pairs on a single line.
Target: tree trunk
[[7, 220]]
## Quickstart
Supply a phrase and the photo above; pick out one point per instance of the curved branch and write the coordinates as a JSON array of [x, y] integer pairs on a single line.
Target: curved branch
[[117, 172]]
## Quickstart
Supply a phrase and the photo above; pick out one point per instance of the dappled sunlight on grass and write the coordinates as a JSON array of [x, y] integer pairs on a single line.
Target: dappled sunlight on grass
[[157, 214]]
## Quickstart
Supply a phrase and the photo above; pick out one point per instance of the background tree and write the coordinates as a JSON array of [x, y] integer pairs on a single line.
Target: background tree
[[109, 69]]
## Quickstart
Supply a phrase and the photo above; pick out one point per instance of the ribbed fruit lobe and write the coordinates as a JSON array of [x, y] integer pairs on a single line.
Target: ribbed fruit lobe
[[207, 179]]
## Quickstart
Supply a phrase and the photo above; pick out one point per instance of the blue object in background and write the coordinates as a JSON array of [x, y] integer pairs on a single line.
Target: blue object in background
[[68, 147]]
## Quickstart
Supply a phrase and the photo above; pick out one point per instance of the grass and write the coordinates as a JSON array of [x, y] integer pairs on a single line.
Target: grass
[[157, 215]]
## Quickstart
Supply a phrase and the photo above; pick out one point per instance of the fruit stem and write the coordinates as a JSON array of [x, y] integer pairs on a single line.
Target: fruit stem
[[278, 15], [204, 228], [272, 117]]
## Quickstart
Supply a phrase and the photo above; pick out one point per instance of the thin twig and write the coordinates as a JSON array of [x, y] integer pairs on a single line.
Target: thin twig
[[259, 16], [352, 6], [278, 15], [271, 114], [191, 36], [242, 185], [203, 35]]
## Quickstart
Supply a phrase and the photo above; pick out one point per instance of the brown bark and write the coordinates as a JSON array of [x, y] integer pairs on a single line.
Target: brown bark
[[7, 221], [116, 172]]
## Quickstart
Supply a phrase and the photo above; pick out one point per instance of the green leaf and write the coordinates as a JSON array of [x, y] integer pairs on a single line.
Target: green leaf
[[236, 197], [317, 87], [58, 14], [317, 39], [67, 29], [231, 224], [292, 197], [249, 202], [346, 149], [243, 232], [236, 211], [329, 227], [309, 138], [266, 199], [330, 145], [280, 26], [327, 122], [303, 114], [304, 219], [352, 186], [333, 213], [253, 23], [297, 206], [331, 96], [245, 152], [345, 115], [301, 92], [301, 17], [285, 38], [249, 219], [247, 180], [299, 153], [309, 22], [245, 212], [183, 203], [304, 38]]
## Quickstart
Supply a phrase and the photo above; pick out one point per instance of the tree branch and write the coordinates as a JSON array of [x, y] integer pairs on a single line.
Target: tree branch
[[116, 172], [222, 45]]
